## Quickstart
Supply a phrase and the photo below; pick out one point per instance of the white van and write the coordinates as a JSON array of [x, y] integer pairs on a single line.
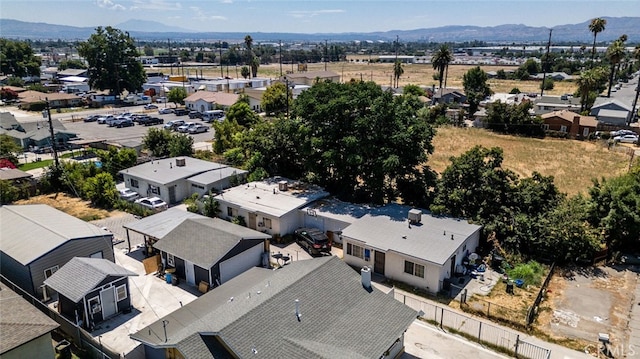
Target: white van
[[210, 116]]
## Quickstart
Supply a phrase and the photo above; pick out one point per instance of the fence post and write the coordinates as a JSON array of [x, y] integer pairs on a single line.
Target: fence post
[[479, 330], [488, 309], [517, 342], [441, 316]]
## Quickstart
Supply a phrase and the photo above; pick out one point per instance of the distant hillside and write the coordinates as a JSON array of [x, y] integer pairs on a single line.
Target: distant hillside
[[151, 30]]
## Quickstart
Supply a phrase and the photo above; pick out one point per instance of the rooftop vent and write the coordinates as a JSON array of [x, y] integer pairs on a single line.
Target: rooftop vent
[[365, 273], [298, 314], [415, 216], [283, 186], [181, 162]]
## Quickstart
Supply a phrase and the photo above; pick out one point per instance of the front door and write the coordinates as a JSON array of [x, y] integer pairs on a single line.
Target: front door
[[172, 194], [252, 220], [108, 299], [189, 273], [378, 263]]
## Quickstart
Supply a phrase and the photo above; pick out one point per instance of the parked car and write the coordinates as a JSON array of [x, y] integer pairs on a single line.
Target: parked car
[[150, 121], [161, 99], [164, 111], [128, 195], [626, 139], [91, 118], [172, 125], [185, 128], [181, 111], [195, 114], [124, 122], [150, 106], [313, 240], [198, 128], [622, 133], [103, 119], [153, 203]]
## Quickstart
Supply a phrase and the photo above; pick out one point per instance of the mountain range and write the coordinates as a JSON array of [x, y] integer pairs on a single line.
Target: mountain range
[[152, 30]]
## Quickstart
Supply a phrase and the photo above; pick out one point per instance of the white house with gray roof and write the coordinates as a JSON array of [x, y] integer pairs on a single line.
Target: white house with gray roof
[[37, 240], [316, 308], [410, 246], [271, 205], [169, 178]]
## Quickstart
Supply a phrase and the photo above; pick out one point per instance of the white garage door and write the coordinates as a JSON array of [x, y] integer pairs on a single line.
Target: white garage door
[[241, 263]]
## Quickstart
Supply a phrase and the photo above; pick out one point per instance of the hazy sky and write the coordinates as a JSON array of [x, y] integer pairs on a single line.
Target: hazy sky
[[313, 16]]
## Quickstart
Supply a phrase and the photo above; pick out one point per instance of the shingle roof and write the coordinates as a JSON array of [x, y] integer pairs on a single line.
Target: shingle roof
[[81, 275], [431, 240], [20, 322], [254, 315], [166, 171], [222, 98], [13, 173], [204, 241], [159, 224], [48, 228], [587, 121]]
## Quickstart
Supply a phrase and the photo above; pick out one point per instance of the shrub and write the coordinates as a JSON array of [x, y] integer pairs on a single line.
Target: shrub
[[530, 272]]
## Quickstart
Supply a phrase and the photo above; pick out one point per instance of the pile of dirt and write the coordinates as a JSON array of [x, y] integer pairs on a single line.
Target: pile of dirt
[[74, 206]]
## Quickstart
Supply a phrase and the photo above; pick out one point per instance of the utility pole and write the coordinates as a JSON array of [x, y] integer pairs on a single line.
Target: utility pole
[[326, 54], [544, 68], [395, 79], [220, 47], [281, 58], [170, 58], [56, 173]]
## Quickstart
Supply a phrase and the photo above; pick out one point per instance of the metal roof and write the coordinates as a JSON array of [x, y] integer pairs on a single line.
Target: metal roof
[[81, 275], [20, 322], [435, 239], [166, 170], [265, 197], [30, 231], [158, 225], [254, 315], [205, 241]]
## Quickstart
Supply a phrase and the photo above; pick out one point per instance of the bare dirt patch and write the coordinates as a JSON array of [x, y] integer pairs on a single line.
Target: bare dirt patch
[[581, 303], [74, 206]]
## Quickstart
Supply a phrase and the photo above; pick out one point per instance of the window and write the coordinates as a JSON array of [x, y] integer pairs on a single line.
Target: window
[[49, 272], [585, 132], [355, 251], [414, 269], [134, 183], [232, 212], [121, 292], [170, 260], [94, 305], [563, 128], [267, 222], [197, 186], [154, 189]]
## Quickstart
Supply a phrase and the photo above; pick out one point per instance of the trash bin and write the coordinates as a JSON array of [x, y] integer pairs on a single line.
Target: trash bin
[[168, 277], [64, 349], [174, 280], [510, 287]]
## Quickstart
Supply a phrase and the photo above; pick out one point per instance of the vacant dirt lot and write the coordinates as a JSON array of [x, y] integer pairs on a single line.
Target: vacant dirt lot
[[584, 302]]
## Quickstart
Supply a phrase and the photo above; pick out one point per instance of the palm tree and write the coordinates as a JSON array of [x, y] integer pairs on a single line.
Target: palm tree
[[615, 54], [586, 83], [248, 42], [440, 62], [397, 71], [596, 26], [632, 115]]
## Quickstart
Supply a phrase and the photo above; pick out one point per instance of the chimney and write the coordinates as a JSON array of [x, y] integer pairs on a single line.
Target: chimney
[[575, 127], [181, 162], [283, 186], [415, 216], [365, 273], [298, 315]]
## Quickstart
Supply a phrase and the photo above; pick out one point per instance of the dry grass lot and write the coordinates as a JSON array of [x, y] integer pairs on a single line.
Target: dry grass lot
[[70, 205], [572, 163], [416, 74]]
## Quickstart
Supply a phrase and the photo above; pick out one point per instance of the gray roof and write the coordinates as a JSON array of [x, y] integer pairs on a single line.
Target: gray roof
[[205, 241], [8, 121], [612, 113], [81, 275], [605, 101], [211, 177], [48, 229], [20, 322], [166, 171], [254, 315], [158, 225], [13, 173], [431, 240], [265, 198]]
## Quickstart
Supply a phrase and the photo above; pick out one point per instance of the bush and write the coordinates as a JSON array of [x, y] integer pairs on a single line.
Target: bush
[[530, 272], [556, 134], [34, 106]]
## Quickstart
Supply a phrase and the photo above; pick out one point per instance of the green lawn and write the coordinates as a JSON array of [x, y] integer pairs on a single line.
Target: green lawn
[[34, 165]]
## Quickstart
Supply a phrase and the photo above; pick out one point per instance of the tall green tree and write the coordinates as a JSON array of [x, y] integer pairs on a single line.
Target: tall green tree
[[275, 100], [590, 83], [112, 58], [596, 26], [241, 113], [114, 160], [177, 95], [440, 62], [180, 144], [476, 87], [248, 43], [101, 190], [17, 59], [9, 149], [157, 141]]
